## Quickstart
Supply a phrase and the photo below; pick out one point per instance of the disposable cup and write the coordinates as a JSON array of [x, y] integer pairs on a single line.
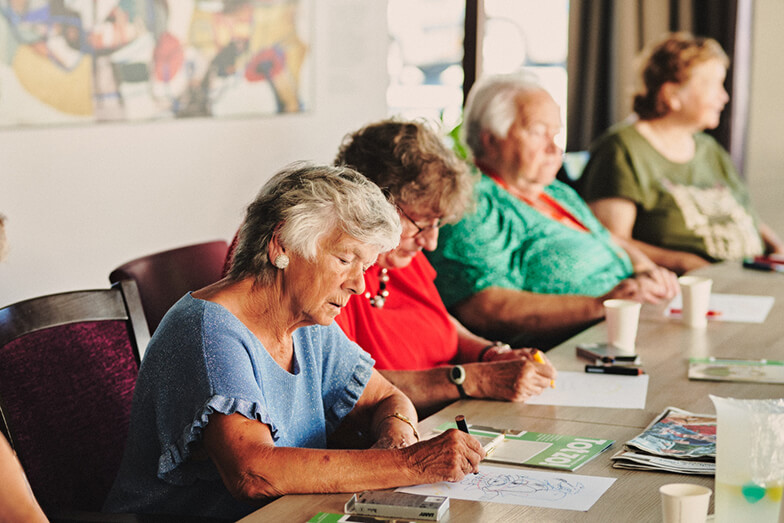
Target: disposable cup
[[684, 503], [749, 462], [622, 317], [695, 291]]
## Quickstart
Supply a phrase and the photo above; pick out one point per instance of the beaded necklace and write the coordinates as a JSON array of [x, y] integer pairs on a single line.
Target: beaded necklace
[[378, 300]]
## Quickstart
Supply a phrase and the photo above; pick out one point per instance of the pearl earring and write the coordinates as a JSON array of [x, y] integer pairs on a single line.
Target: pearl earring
[[281, 261]]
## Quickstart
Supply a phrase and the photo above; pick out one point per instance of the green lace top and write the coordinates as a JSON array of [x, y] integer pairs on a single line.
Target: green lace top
[[506, 243]]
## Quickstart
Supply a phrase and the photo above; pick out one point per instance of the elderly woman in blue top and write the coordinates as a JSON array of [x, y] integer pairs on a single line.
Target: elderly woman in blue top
[[246, 378], [532, 259]]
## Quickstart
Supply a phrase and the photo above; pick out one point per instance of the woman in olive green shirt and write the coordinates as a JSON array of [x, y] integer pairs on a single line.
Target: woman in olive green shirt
[[661, 182]]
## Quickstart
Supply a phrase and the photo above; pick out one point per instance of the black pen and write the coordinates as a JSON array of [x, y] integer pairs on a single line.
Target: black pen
[[461, 423], [614, 369], [763, 266]]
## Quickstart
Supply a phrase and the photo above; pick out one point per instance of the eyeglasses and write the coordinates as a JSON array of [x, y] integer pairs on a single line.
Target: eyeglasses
[[421, 230]]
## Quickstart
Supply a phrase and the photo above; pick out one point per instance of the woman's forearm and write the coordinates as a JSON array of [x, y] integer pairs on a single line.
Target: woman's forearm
[[288, 470], [17, 503], [469, 345], [428, 389], [678, 262], [253, 468], [375, 411], [640, 261], [394, 423], [619, 216], [507, 313]]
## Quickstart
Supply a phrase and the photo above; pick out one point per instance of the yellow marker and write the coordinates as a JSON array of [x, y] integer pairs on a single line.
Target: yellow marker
[[538, 358]]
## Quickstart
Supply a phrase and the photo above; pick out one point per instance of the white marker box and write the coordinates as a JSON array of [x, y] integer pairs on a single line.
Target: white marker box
[[400, 505]]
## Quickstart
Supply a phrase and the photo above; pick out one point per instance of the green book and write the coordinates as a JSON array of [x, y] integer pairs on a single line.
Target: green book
[[538, 449], [325, 517], [329, 517]]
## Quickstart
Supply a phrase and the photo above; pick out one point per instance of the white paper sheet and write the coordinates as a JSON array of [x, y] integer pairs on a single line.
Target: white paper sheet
[[516, 486], [581, 389], [733, 307]]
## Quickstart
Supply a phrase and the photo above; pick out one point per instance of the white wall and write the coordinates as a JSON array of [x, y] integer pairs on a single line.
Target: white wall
[[765, 153], [82, 200]]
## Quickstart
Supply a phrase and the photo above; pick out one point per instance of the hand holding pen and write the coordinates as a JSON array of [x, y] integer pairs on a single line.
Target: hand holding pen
[[448, 456], [489, 447], [539, 358], [510, 380]]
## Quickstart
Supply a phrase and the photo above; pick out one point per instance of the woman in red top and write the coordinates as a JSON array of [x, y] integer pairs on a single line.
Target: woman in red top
[[400, 320]]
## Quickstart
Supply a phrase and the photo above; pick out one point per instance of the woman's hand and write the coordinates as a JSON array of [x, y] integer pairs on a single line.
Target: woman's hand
[[514, 379], [446, 457], [504, 352], [658, 284], [526, 353], [652, 287]]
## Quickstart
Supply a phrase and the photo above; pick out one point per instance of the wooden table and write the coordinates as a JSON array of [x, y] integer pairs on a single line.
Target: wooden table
[[664, 345]]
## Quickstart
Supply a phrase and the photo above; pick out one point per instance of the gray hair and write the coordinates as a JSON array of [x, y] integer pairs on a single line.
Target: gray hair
[[304, 202], [492, 107]]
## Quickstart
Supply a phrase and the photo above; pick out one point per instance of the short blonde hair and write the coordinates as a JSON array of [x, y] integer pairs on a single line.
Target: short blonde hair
[[671, 60]]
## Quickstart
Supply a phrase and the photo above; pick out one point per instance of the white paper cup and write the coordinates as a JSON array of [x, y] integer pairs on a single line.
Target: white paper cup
[[684, 503], [696, 298], [622, 317]]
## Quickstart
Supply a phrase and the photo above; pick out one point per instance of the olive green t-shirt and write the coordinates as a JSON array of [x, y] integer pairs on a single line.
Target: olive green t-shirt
[[700, 206]]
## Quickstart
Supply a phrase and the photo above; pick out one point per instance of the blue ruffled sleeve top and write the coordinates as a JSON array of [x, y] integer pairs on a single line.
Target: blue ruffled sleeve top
[[202, 360]]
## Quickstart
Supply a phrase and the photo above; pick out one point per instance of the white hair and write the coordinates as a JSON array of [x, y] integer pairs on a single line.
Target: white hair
[[304, 202], [492, 107]]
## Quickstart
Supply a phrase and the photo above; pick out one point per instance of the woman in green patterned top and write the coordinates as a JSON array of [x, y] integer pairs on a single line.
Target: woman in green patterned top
[[663, 183], [531, 264]]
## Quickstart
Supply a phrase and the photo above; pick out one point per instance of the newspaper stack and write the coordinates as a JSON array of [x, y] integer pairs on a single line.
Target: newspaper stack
[[677, 441]]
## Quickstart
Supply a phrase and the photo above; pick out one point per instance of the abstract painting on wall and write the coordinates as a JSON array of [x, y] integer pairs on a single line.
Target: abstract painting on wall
[[86, 61]]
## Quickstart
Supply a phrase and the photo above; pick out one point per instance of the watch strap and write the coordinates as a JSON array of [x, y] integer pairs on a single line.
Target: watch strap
[[458, 384], [462, 391]]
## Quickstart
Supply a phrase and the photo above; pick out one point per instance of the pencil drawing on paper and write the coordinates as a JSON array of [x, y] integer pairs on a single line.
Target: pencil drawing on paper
[[520, 485]]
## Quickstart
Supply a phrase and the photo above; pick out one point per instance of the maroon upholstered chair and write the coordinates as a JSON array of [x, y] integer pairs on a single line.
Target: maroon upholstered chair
[[164, 277], [68, 365], [230, 253]]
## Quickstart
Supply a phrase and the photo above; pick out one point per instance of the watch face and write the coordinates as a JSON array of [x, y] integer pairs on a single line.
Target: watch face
[[457, 375]]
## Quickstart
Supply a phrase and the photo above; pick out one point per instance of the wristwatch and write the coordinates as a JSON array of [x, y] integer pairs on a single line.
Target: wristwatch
[[457, 376]]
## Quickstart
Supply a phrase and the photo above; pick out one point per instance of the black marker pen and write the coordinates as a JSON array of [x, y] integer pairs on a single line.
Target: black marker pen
[[614, 369], [462, 425]]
